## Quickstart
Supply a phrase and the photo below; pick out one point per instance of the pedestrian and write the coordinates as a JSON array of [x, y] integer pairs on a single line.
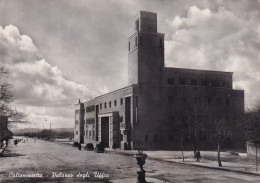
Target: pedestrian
[[79, 146], [197, 155]]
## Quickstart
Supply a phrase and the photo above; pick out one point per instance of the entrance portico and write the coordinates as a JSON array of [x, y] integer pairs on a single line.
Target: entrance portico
[[108, 129]]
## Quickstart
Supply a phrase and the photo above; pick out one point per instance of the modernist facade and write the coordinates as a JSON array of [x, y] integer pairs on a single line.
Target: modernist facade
[[141, 115]]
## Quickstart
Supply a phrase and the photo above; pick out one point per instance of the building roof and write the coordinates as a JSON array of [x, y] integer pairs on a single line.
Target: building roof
[[197, 70]]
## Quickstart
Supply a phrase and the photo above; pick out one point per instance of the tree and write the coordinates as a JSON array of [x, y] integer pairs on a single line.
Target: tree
[[8, 114], [250, 123], [222, 129], [187, 121], [191, 117]]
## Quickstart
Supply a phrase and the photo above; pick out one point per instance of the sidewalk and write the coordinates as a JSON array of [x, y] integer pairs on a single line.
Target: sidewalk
[[234, 163]]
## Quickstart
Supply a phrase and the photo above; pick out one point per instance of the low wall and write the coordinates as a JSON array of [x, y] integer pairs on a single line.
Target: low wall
[[251, 149]]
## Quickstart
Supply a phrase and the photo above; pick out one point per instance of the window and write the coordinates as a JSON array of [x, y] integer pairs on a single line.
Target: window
[[227, 101], [182, 81], [219, 101], [155, 138], [129, 46], [77, 122], [135, 41], [105, 105], [202, 83], [90, 121], [170, 81], [193, 82], [170, 99], [114, 102], [205, 83], [141, 41], [110, 104], [90, 108], [89, 134], [121, 101], [161, 43], [146, 138], [93, 135], [171, 138], [100, 106], [77, 132], [121, 118], [215, 83], [86, 133], [137, 25]]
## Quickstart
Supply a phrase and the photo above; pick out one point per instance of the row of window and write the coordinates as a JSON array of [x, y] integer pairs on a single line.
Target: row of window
[[208, 100], [172, 81], [90, 135], [202, 137], [90, 121], [146, 138], [141, 43], [110, 104], [90, 108], [184, 119]]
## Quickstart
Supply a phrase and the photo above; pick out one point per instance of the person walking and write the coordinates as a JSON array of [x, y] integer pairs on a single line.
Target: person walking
[[197, 155]]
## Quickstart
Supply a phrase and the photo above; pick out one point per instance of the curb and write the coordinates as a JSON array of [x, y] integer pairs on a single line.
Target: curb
[[196, 165]]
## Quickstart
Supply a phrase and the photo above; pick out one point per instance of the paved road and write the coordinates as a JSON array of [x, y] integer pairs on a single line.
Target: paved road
[[51, 159]]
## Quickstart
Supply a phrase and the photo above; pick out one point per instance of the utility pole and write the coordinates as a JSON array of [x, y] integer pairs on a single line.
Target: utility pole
[[256, 159], [50, 133]]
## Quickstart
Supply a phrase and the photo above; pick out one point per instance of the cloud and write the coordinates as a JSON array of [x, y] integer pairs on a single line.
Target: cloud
[[36, 82], [217, 40]]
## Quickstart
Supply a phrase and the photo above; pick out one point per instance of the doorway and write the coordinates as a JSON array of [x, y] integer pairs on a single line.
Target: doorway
[[105, 131]]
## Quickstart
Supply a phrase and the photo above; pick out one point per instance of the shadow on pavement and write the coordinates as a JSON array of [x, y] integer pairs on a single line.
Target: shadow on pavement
[[11, 155]]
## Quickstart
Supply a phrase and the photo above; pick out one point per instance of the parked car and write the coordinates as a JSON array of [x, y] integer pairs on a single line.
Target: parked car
[[89, 147], [75, 144], [100, 148]]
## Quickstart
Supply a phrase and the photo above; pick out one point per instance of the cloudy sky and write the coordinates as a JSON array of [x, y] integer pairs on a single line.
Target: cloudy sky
[[60, 51]]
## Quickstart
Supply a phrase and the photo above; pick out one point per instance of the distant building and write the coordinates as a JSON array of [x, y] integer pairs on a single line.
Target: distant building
[[140, 116]]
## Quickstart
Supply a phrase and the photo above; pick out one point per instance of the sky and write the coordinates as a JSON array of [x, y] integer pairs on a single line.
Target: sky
[[60, 51]]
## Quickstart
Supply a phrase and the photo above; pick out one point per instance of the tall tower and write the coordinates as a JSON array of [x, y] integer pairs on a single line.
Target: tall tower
[[146, 50], [145, 63]]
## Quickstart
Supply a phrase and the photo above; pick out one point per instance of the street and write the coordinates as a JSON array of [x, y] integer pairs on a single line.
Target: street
[[56, 162]]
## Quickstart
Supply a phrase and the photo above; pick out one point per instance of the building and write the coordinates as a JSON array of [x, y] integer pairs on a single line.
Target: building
[[139, 115]]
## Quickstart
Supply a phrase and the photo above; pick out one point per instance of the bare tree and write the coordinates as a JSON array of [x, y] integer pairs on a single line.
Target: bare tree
[[222, 130], [249, 122], [187, 121], [8, 114], [192, 120]]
